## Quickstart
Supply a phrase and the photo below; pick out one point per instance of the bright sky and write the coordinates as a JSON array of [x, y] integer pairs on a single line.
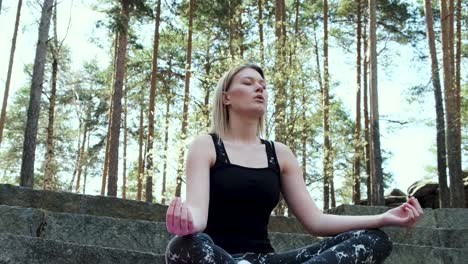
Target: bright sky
[[410, 145]]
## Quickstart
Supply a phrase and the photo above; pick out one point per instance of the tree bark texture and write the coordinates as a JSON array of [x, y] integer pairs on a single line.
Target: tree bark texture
[[457, 192], [49, 172], [140, 156], [183, 132], [327, 159], [124, 165], [260, 31], [357, 136], [444, 195], [30, 133], [117, 101], [377, 189], [10, 69], [150, 138]]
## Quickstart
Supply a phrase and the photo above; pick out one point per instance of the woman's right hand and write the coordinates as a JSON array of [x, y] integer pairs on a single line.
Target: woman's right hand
[[179, 220]]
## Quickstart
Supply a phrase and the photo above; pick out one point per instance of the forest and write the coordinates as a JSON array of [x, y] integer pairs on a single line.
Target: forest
[[120, 125]]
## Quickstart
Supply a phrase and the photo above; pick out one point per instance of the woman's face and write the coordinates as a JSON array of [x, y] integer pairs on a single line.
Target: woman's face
[[247, 94]]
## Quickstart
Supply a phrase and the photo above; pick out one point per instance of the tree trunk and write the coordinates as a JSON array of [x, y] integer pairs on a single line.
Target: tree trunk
[[49, 171], [140, 157], [166, 141], [77, 160], [81, 157], [117, 101], [10, 69], [260, 32], [111, 99], [183, 131], [124, 165], [365, 88], [85, 174], [457, 69], [327, 160], [457, 192], [444, 195], [279, 84], [207, 87], [377, 191], [106, 153], [154, 74], [357, 135], [30, 134]]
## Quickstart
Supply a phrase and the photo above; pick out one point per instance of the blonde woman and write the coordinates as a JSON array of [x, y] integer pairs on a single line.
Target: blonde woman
[[234, 180]]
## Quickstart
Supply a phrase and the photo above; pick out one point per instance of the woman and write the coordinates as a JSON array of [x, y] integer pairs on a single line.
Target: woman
[[234, 179]]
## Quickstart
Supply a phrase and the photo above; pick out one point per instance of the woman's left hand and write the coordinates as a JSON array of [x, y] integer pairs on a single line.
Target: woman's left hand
[[405, 215]]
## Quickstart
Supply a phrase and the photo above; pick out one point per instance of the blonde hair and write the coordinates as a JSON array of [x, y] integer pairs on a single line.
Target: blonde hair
[[220, 114]]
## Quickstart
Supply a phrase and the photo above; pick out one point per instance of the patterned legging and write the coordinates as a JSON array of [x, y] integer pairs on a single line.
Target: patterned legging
[[360, 246]]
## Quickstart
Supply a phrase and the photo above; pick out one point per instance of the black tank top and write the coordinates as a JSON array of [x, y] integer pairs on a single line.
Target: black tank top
[[241, 201]]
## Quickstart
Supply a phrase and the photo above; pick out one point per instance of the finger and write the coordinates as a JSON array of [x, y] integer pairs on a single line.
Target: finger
[[190, 226], [410, 217], [183, 219], [177, 209], [413, 209], [170, 216], [414, 201]]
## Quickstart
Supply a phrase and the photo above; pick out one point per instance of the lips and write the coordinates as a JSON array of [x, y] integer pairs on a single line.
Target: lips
[[260, 97]]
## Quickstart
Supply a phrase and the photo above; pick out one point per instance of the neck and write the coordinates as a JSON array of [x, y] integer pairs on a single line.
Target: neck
[[242, 129]]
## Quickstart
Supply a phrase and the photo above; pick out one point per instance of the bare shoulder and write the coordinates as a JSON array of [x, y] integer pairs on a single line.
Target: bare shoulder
[[285, 156], [202, 147]]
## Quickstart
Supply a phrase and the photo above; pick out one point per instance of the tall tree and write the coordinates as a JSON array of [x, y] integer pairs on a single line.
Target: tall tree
[[377, 188], [49, 156], [140, 157], [30, 133], [457, 192], [124, 161], [188, 70], [357, 135], [260, 32], [444, 196], [327, 159], [117, 98], [81, 154], [365, 88], [10, 69], [154, 74], [457, 67]]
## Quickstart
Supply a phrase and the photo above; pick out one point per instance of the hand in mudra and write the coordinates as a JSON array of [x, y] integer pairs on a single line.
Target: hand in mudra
[[405, 215], [179, 220]]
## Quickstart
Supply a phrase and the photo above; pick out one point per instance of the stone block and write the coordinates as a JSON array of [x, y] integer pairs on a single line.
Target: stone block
[[412, 254], [27, 250], [81, 204], [451, 217], [19, 220], [108, 232]]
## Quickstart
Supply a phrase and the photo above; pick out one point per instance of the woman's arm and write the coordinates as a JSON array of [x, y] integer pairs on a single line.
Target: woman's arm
[[191, 216], [317, 223]]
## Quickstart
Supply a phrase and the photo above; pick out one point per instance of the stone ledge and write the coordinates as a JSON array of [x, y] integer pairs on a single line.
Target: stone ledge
[[411, 254], [27, 250], [81, 204]]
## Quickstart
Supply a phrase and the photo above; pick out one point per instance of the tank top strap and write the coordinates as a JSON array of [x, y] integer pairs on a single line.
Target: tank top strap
[[221, 154], [271, 155]]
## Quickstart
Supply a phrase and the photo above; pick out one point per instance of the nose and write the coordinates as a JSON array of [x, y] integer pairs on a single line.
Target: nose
[[259, 88]]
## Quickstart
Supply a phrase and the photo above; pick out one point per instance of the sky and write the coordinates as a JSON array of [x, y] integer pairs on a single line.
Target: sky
[[411, 144]]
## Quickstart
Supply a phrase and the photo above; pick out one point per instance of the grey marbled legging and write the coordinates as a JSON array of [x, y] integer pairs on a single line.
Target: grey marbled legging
[[359, 246]]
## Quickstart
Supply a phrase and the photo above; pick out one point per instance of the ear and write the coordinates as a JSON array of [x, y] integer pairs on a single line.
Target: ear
[[226, 98]]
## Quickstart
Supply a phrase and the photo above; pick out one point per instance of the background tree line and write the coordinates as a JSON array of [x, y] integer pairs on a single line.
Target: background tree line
[[127, 124]]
